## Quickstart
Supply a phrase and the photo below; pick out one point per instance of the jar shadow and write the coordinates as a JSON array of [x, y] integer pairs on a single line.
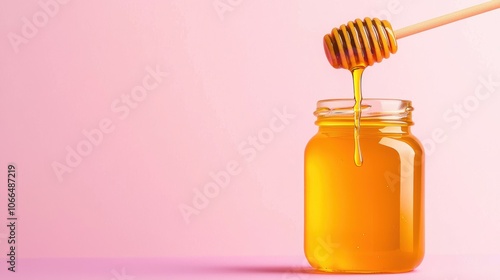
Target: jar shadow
[[287, 270]]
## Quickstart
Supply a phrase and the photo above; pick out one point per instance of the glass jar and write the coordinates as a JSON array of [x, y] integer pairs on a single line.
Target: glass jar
[[368, 218]]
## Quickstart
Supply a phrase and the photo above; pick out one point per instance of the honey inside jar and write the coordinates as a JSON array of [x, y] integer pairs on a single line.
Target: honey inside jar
[[364, 219]]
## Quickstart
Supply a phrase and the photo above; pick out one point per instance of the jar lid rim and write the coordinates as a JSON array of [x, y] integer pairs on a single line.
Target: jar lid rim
[[366, 99], [371, 108]]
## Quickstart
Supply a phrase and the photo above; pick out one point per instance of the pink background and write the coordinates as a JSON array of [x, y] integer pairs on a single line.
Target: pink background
[[228, 75]]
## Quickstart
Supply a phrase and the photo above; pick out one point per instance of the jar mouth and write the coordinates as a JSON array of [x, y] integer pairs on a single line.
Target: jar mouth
[[372, 109]]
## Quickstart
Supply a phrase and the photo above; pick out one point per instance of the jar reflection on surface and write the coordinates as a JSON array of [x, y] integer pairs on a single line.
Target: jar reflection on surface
[[370, 218]]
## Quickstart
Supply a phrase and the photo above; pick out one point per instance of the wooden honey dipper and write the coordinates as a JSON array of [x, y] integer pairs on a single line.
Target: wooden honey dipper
[[362, 43]]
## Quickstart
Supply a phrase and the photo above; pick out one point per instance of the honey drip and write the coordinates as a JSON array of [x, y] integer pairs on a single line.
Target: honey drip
[[354, 47], [356, 76]]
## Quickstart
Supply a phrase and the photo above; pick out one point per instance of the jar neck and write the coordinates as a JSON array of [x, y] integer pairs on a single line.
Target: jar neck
[[376, 114]]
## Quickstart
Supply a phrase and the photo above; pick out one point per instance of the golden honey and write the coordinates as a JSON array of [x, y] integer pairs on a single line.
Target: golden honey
[[357, 73], [367, 218]]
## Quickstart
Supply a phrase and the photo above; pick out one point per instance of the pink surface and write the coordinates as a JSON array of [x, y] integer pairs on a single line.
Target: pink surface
[[119, 114], [437, 267]]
